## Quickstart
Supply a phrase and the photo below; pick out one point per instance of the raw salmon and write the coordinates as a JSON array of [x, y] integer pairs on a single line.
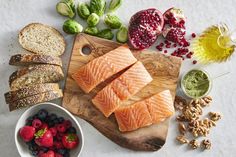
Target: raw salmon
[[146, 112], [122, 88], [103, 67], [133, 117]]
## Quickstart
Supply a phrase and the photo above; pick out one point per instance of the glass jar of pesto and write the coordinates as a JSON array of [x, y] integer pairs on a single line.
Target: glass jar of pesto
[[196, 83]]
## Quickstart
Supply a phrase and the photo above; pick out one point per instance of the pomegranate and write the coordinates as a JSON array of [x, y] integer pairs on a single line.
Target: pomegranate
[[174, 34], [144, 28], [174, 17]]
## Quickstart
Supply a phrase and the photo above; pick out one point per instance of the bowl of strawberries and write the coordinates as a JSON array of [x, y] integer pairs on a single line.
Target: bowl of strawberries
[[48, 130]]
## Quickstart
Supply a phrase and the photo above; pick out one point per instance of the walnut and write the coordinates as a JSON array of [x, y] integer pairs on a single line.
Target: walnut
[[182, 139], [206, 144], [194, 144], [206, 101], [182, 128], [179, 103], [215, 116], [200, 127]]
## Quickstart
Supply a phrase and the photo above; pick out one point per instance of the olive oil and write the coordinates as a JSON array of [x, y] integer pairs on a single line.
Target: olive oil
[[214, 45]]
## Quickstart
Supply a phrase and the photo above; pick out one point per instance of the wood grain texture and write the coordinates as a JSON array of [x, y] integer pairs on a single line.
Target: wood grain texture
[[163, 69]]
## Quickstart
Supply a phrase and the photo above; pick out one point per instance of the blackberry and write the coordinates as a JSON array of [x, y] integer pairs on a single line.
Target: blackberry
[[71, 130], [42, 114]]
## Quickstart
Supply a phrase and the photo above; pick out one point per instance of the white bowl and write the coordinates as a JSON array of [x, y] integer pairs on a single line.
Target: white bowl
[[51, 108]]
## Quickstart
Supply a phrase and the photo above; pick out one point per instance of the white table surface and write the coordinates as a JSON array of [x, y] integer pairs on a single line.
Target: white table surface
[[15, 14]]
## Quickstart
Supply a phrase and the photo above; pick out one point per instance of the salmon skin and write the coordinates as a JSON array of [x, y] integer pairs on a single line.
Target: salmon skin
[[103, 67], [122, 88], [146, 112]]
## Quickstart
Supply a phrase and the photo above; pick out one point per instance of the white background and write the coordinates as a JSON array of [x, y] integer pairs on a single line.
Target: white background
[[15, 14]]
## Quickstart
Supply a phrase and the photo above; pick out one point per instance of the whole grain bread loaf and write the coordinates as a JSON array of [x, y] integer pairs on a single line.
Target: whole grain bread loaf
[[42, 39], [30, 91], [29, 59], [35, 74], [35, 99]]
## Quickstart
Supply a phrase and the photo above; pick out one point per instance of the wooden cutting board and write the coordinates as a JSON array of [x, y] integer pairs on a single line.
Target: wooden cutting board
[[164, 70]]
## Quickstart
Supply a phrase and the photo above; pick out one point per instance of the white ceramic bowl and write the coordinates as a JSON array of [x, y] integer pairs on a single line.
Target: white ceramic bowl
[[51, 108]]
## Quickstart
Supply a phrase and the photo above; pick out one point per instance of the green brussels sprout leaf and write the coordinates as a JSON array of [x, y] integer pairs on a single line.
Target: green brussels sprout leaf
[[66, 8], [106, 34], [72, 27], [83, 10], [93, 19], [98, 7], [122, 34], [112, 21], [114, 5]]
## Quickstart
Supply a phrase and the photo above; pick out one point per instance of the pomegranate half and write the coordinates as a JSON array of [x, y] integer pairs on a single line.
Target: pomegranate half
[[144, 28]]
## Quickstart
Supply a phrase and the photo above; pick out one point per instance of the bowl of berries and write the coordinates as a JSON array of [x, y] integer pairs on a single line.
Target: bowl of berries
[[48, 130]]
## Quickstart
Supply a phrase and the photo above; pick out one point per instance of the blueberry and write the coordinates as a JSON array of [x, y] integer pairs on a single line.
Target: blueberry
[[56, 121], [34, 153], [71, 130], [50, 124], [33, 147], [42, 114], [61, 119], [67, 154], [52, 116], [29, 121], [62, 151], [35, 116], [44, 149]]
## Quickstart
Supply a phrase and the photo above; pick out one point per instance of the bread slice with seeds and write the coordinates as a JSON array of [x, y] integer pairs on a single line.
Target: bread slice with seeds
[[29, 91], [35, 99], [42, 39], [29, 59], [35, 74]]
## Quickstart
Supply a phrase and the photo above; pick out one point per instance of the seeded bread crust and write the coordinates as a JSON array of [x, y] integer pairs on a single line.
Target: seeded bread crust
[[35, 99], [29, 59], [35, 74], [29, 91], [42, 39]]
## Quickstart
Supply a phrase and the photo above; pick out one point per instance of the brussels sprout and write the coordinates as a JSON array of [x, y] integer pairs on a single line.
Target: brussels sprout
[[66, 8], [83, 10], [122, 34], [72, 27], [98, 7], [112, 21], [114, 5], [91, 30], [93, 19], [106, 34]]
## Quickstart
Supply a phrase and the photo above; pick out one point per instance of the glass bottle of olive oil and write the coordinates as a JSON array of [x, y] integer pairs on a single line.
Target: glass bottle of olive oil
[[215, 44]]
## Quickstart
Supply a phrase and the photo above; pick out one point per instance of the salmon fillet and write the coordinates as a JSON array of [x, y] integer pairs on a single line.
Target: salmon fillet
[[132, 117], [103, 67], [160, 106], [146, 112], [122, 88]]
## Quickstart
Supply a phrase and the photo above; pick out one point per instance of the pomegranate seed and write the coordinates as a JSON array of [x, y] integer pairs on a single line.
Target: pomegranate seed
[[161, 44], [166, 41], [193, 35], [167, 46], [194, 62], [189, 55], [175, 45], [165, 51]]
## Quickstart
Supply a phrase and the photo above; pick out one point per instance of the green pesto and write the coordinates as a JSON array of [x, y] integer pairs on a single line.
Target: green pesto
[[196, 83]]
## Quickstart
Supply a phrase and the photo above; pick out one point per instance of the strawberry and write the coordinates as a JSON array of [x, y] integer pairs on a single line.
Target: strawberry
[[67, 124], [27, 133], [70, 141], [58, 145], [50, 153], [44, 138], [53, 131]]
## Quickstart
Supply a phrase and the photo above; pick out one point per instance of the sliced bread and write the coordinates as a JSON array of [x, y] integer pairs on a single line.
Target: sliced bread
[[29, 91], [42, 39], [29, 59], [35, 99], [35, 74]]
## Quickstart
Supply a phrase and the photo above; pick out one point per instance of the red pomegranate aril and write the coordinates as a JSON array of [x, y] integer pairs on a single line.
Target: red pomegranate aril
[[161, 44], [193, 35], [175, 45], [167, 46], [194, 62], [165, 51]]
